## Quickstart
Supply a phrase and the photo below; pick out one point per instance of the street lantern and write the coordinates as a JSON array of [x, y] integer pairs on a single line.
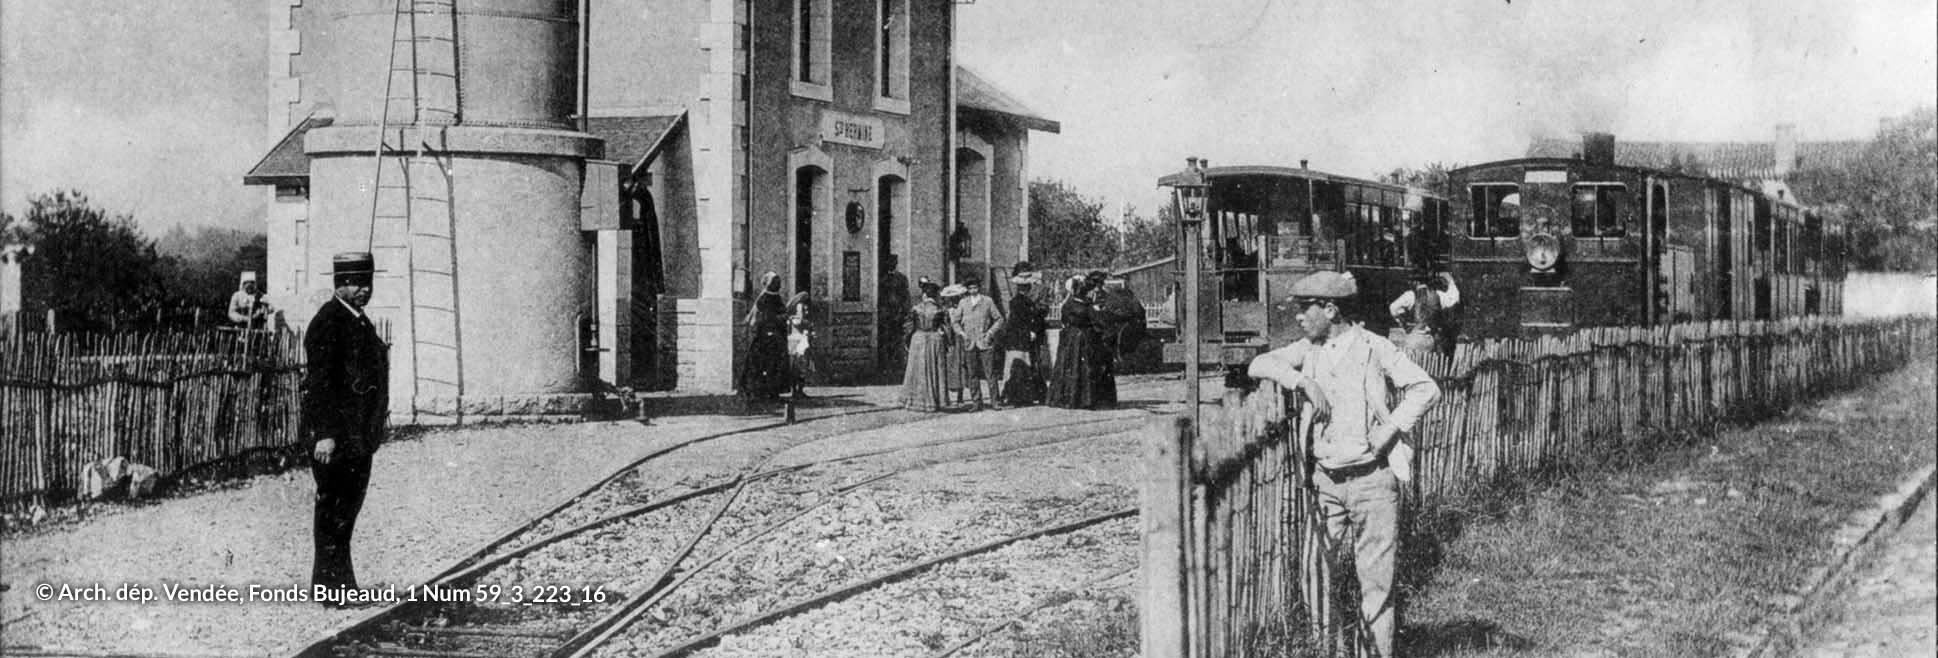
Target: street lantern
[[1188, 192]]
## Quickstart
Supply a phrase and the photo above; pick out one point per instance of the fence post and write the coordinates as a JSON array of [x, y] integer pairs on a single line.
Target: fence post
[[1165, 485]]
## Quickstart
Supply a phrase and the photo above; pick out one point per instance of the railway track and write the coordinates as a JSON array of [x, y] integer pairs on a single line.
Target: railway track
[[567, 590]]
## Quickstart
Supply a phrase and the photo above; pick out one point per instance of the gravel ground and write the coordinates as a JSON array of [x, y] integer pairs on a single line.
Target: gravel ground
[[1891, 608], [441, 496], [431, 499]]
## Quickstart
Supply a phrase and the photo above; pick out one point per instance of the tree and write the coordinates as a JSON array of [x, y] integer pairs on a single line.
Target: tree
[[1068, 230], [1888, 196], [1432, 177], [201, 266], [88, 267], [1148, 239]]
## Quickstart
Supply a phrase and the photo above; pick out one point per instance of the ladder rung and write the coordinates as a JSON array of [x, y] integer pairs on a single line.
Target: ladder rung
[[436, 344], [438, 74], [446, 382], [431, 38]]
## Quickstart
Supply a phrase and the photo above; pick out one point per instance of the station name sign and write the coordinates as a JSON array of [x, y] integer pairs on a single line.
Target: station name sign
[[853, 130]]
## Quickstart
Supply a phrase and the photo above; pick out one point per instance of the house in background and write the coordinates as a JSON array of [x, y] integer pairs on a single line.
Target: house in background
[[727, 138], [1763, 165]]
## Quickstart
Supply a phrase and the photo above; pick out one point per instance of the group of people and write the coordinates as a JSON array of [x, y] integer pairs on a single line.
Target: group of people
[[961, 344], [781, 333]]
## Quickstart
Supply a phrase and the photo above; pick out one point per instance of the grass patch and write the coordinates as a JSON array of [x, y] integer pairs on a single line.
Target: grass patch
[[1673, 554]]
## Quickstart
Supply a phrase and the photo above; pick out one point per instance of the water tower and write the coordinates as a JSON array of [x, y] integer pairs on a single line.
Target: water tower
[[472, 210]]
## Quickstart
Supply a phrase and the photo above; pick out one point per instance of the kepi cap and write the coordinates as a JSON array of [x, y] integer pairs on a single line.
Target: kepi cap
[[1325, 285], [248, 277]]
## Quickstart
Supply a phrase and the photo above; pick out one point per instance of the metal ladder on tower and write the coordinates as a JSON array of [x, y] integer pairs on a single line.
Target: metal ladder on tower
[[411, 192]]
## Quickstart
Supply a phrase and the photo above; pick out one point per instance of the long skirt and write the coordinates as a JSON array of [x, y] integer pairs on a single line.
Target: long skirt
[[1081, 378], [922, 383], [1022, 385], [954, 370], [767, 372]]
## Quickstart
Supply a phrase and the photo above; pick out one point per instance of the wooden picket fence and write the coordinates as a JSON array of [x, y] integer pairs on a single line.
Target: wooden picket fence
[[171, 401], [1236, 562]]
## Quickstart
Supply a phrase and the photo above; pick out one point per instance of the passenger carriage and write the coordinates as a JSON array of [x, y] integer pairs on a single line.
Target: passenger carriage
[[1267, 226]]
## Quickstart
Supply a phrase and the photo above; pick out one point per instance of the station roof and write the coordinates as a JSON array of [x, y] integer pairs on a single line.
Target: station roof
[[975, 93], [635, 140], [286, 163]]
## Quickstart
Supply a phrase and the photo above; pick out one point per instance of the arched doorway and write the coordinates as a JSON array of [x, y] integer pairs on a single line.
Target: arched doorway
[[968, 236], [810, 202]]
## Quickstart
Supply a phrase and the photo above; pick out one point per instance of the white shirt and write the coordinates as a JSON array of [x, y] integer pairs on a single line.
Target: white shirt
[[1404, 303]]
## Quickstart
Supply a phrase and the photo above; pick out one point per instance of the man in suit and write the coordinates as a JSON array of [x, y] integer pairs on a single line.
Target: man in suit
[[346, 390], [980, 322]]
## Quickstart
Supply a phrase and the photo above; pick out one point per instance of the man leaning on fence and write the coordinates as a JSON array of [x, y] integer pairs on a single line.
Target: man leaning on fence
[[346, 388], [1344, 371]]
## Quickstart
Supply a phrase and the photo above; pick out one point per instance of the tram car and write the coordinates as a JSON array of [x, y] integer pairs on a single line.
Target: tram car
[[1544, 245], [1267, 226]]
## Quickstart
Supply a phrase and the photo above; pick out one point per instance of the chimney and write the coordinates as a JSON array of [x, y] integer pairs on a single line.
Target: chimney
[[1302, 164], [1786, 150], [1598, 148]]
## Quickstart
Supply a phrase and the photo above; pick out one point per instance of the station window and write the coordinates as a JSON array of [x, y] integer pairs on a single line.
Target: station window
[[1598, 211], [1497, 211], [891, 54], [812, 49]]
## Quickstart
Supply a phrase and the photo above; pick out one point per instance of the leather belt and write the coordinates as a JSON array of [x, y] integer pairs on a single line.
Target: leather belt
[[1353, 472]]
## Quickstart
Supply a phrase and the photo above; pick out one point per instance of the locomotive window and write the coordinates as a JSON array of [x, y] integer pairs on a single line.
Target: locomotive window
[[1497, 211], [1598, 211]]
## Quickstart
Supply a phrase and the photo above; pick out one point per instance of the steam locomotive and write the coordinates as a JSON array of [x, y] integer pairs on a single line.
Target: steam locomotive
[[1544, 245]]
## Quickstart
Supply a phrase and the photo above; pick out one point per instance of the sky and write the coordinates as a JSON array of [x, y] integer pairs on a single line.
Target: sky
[[155, 107]]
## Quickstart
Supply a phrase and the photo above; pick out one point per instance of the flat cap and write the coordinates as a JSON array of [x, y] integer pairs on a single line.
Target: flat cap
[[1326, 285]]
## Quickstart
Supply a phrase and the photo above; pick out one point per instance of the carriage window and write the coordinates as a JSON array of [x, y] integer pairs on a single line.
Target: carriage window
[[1497, 211], [1598, 211]]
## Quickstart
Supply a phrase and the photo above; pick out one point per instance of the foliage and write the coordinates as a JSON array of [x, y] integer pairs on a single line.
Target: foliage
[[88, 266], [1148, 239], [1068, 230], [1888, 197], [204, 265], [97, 270], [1432, 177]]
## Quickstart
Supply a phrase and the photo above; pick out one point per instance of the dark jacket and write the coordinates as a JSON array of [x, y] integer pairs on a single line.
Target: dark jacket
[[346, 388], [1025, 327]]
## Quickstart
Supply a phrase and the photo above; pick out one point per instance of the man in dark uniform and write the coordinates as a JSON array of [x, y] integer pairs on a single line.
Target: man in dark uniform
[[892, 309], [346, 390]]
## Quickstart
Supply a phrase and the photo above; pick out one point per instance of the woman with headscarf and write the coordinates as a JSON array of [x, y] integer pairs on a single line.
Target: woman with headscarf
[[767, 374], [922, 382], [1080, 376], [1023, 332], [800, 331]]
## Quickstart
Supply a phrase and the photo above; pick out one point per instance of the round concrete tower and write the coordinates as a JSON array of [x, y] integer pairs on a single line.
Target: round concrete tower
[[485, 270]]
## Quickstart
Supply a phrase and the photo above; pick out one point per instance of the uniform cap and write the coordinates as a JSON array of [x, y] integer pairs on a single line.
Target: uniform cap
[[1325, 285], [248, 277]]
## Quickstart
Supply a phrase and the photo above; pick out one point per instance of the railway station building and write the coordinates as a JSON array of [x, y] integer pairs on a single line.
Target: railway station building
[[817, 139]]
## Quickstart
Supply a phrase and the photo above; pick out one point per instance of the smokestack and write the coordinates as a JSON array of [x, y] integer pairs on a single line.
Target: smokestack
[[1302, 163], [1598, 148], [1786, 149]]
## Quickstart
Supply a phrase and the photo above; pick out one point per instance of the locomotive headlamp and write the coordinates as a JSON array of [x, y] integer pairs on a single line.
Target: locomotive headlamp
[[1544, 250]]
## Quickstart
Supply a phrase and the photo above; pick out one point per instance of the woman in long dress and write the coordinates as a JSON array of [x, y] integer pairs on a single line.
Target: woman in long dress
[[922, 383], [1080, 375], [767, 374], [1023, 333]]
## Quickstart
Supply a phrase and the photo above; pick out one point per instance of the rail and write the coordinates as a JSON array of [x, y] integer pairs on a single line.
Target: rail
[[1236, 561]]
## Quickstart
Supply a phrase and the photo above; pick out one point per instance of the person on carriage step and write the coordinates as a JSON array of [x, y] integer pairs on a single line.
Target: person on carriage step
[[1422, 310], [1345, 371], [346, 390]]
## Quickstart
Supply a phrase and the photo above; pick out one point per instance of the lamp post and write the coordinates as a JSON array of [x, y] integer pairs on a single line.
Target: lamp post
[[1188, 195]]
